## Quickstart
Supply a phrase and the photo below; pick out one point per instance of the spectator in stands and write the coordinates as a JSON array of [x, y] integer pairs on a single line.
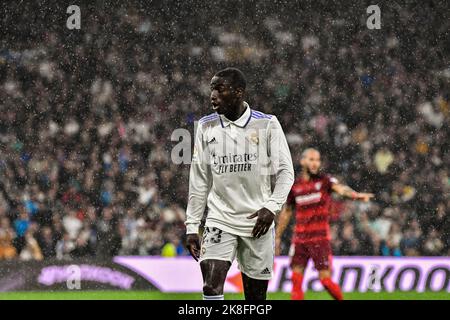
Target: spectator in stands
[[432, 244], [47, 242], [7, 250], [31, 250]]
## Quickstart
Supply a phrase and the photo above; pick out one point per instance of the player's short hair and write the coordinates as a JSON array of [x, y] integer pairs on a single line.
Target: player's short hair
[[305, 152], [235, 76]]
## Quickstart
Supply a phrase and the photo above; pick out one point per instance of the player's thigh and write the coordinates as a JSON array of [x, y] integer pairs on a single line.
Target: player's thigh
[[321, 255], [214, 273], [256, 255], [218, 245], [324, 273], [299, 257]]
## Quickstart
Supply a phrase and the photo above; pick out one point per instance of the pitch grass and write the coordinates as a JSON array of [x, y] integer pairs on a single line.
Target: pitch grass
[[152, 295]]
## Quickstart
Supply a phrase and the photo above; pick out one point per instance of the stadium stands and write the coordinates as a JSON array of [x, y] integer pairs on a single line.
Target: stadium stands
[[86, 118]]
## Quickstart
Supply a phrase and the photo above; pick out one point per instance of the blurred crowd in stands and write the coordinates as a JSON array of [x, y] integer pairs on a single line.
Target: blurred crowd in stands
[[86, 118]]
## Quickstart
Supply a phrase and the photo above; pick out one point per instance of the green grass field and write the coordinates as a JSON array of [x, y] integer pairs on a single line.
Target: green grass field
[[152, 295]]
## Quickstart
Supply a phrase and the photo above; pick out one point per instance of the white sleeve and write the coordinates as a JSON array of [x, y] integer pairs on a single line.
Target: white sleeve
[[281, 166], [199, 184]]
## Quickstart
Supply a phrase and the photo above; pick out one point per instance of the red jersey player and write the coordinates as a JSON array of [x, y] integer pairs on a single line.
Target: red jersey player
[[311, 195]]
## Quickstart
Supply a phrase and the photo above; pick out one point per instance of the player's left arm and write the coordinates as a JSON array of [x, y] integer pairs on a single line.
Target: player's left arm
[[281, 166], [348, 192]]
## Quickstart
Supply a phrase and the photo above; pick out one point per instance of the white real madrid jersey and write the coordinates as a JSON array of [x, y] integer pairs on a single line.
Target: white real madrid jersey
[[231, 171]]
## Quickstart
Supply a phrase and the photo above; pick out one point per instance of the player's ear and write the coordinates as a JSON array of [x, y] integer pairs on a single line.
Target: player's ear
[[302, 161], [239, 92]]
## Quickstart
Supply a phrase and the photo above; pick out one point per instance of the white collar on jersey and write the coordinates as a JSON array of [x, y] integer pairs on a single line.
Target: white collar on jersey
[[241, 122]]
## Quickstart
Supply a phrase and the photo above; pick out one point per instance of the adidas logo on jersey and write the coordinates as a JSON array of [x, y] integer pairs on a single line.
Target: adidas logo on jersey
[[265, 271], [213, 141]]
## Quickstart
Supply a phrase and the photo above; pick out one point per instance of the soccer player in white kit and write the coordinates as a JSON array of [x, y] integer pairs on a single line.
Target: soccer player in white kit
[[238, 151]]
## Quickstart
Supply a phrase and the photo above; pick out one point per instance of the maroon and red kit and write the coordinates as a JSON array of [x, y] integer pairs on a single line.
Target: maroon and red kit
[[311, 237]]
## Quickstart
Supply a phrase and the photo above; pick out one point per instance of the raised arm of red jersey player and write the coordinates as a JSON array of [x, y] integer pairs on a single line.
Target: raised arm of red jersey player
[[283, 221], [348, 192]]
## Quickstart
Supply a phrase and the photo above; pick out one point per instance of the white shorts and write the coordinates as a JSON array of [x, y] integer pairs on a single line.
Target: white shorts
[[255, 256]]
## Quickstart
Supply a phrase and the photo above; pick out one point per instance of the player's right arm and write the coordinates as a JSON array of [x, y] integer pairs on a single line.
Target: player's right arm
[[199, 185], [283, 221], [348, 192]]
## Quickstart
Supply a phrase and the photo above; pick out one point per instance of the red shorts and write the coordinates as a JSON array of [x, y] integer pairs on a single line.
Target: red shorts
[[319, 252]]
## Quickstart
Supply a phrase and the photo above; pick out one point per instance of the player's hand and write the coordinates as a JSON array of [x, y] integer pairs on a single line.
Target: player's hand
[[277, 246], [193, 245], [263, 223], [364, 196]]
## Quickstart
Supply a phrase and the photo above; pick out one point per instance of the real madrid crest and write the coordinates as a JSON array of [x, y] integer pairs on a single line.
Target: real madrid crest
[[253, 137]]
